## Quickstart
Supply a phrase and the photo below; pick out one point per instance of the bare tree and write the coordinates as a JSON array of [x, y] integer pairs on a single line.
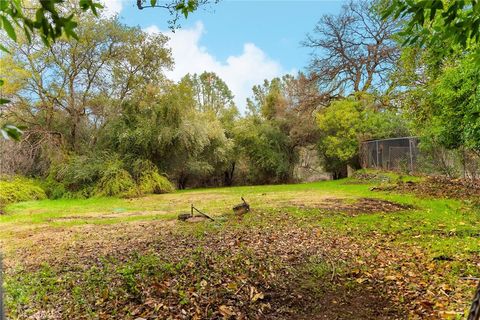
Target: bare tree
[[352, 51]]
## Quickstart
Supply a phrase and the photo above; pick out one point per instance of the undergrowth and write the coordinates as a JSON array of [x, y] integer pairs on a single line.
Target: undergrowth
[[19, 189], [86, 177]]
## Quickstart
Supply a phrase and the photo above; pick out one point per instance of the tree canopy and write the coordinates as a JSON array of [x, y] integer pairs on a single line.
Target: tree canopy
[[437, 22]]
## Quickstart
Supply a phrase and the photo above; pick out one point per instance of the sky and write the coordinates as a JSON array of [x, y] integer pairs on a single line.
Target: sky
[[243, 41]]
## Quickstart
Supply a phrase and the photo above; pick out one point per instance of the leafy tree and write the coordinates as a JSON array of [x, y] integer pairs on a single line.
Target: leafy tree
[[212, 94], [290, 102], [49, 22], [280, 120], [436, 22], [345, 123], [70, 87], [165, 128], [451, 109], [266, 149]]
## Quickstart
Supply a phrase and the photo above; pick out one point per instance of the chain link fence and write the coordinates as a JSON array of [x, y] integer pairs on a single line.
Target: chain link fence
[[399, 154]]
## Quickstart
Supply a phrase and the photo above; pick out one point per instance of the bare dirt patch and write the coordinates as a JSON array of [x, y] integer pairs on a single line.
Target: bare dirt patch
[[108, 215], [81, 244], [354, 206], [437, 187]]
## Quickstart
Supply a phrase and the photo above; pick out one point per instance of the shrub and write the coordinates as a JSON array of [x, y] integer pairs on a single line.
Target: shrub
[[75, 178], [153, 182], [149, 180], [115, 182], [19, 189], [104, 175], [53, 188]]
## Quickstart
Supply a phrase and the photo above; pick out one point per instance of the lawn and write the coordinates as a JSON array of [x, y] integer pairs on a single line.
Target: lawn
[[324, 250]]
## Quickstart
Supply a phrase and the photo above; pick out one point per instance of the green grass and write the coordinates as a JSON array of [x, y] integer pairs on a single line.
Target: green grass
[[444, 226], [440, 227]]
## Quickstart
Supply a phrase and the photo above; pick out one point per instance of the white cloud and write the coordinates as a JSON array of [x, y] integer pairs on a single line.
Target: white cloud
[[240, 71], [112, 7]]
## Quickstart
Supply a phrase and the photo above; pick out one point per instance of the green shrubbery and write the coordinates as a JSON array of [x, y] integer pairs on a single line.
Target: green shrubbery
[[115, 181], [105, 176], [19, 189], [149, 180]]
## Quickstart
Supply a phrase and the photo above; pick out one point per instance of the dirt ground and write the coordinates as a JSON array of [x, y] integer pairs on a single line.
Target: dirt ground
[[353, 207], [254, 273], [437, 187], [267, 264]]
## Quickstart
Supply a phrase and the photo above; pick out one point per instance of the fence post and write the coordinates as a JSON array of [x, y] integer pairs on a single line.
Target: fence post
[[376, 146], [411, 154]]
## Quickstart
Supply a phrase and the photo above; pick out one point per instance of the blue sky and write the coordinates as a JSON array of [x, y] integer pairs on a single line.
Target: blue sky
[[242, 41]]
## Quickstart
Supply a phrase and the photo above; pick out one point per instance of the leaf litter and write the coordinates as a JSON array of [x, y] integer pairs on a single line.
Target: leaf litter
[[266, 266]]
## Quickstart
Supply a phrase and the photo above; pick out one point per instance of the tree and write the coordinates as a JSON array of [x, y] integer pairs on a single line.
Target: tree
[[211, 93], [291, 102], [72, 85], [163, 126], [51, 21], [176, 8], [450, 110], [345, 123], [436, 22], [267, 150], [213, 97], [352, 51], [280, 120]]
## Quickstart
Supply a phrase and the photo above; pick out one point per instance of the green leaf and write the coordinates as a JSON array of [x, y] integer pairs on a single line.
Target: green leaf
[[96, 6], [27, 34], [7, 26], [4, 101], [3, 48], [153, 3], [9, 131], [180, 6], [388, 12]]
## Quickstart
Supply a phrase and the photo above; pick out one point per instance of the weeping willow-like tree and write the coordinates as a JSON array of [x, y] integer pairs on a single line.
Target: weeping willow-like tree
[[165, 128]]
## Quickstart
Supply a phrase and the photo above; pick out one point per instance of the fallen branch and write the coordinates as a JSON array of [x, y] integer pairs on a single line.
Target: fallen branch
[[203, 214]]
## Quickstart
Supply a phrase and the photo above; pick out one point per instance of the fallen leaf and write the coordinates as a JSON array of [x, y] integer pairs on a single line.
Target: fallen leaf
[[226, 311]]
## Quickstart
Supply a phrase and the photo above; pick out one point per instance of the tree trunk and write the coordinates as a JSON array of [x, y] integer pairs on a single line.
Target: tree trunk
[[182, 182], [228, 175], [340, 173]]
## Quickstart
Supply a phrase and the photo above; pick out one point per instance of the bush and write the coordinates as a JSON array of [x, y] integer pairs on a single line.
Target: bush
[[53, 188], [115, 182], [74, 178], [19, 189], [149, 180], [153, 182], [104, 175]]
